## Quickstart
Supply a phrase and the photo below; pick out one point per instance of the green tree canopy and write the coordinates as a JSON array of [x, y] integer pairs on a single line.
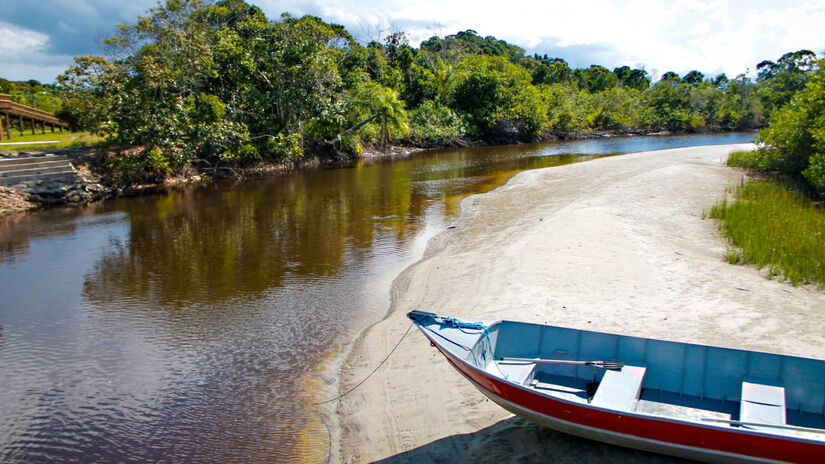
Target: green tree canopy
[[554, 72], [634, 78], [794, 142], [498, 97], [781, 80], [598, 78], [693, 78]]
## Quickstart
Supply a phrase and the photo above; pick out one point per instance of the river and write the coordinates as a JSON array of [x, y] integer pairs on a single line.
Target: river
[[183, 327]]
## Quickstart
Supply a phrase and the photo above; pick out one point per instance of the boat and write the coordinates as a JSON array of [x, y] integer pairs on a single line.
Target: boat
[[692, 401]]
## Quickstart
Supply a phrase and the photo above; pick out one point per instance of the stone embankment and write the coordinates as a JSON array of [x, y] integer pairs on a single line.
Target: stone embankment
[[35, 180], [13, 201]]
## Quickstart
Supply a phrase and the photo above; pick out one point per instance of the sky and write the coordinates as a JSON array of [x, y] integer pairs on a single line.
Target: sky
[[39, 38]]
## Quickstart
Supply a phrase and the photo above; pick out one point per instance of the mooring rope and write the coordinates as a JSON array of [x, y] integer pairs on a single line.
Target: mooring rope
[[320, 416], [370, 374]]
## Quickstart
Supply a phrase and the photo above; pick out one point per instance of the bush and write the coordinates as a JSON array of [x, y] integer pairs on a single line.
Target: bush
[[248, 152], [815, 174], [149, 166], [431, 121], [745, 159], [351, 145], [285, 147]]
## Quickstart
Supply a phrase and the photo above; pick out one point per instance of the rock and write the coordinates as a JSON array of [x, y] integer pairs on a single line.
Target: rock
[[93, 187], [12, 200]]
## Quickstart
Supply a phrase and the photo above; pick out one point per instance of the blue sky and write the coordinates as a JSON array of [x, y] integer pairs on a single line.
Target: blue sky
[[38, 39]]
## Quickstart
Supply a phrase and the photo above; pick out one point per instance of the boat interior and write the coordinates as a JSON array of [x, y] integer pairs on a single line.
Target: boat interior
[[765, 392]]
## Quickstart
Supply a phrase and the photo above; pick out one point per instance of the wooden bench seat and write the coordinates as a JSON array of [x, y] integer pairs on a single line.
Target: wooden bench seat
[[620, 389], [763, 401]]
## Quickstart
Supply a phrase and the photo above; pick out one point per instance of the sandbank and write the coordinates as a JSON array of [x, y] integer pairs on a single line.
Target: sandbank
[[616, 244]]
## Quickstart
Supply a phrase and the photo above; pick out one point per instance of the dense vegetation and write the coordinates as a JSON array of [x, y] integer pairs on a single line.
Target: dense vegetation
[[46, 97], [773, 223], [222, 83], [794, 143]]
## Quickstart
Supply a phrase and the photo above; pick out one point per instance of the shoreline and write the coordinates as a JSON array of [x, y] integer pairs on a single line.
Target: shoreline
[[619, 246], [89, 186]]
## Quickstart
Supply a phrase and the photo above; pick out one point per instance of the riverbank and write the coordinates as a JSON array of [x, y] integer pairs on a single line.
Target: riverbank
[[95, 182], [614, 244], [13, 201]]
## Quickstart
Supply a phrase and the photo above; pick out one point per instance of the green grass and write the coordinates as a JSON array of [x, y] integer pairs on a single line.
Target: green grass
[[65, 139], [774, 227]]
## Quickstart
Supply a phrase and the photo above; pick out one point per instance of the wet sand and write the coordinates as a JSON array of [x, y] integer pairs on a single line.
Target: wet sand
[[616, 244]]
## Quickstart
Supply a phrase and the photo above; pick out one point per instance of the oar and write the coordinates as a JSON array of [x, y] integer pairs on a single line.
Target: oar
[[612, 365]]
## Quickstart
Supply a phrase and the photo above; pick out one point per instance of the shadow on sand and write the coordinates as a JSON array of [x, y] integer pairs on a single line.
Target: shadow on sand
[[516, 440]]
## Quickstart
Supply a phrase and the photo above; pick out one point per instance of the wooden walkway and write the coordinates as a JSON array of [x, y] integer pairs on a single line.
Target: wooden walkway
[[15, 112]]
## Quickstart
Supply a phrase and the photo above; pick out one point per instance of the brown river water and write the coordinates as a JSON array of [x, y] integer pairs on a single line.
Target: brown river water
[[183, 327]]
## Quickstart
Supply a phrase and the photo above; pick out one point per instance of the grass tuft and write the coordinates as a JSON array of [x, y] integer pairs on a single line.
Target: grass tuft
[[734, 256], [774, 227]]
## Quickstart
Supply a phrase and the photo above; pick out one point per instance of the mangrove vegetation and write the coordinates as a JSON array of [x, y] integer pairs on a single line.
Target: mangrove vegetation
[[776, 222]]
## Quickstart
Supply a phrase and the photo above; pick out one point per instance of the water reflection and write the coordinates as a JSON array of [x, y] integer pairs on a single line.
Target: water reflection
[[179, 327]]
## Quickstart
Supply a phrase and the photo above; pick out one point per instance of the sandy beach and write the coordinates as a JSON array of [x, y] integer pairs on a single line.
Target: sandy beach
[[617, 244]]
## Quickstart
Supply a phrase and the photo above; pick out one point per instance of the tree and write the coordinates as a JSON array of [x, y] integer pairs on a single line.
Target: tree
[[671, 76], [740, 107], [379, 105], [794, 142], [633, 78], [693, 78], [781, 80], [468, 42], [721, 81], [301, 69], [552, 73], [567, 107], [85, 106], [669, 105], [431, 122], [617, 108], [220, 82], [171, 60], [598, 78], [498, 97], [419, 85]]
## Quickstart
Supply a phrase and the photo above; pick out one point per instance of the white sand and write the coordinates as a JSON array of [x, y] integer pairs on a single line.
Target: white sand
[[616, 244]]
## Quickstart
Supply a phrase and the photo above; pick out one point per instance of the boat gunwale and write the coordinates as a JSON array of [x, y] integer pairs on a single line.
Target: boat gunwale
[[501, 321]]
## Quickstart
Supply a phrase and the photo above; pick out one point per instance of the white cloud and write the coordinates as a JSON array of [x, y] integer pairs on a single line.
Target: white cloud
[[662, 35], [23, 55], [680, 35], [15, 41]]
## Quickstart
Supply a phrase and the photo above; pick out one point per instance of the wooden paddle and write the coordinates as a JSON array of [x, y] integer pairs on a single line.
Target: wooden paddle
[[612, 365]]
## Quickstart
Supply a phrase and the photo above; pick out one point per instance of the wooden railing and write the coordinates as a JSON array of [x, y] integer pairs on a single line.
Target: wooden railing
[[10, 109]]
